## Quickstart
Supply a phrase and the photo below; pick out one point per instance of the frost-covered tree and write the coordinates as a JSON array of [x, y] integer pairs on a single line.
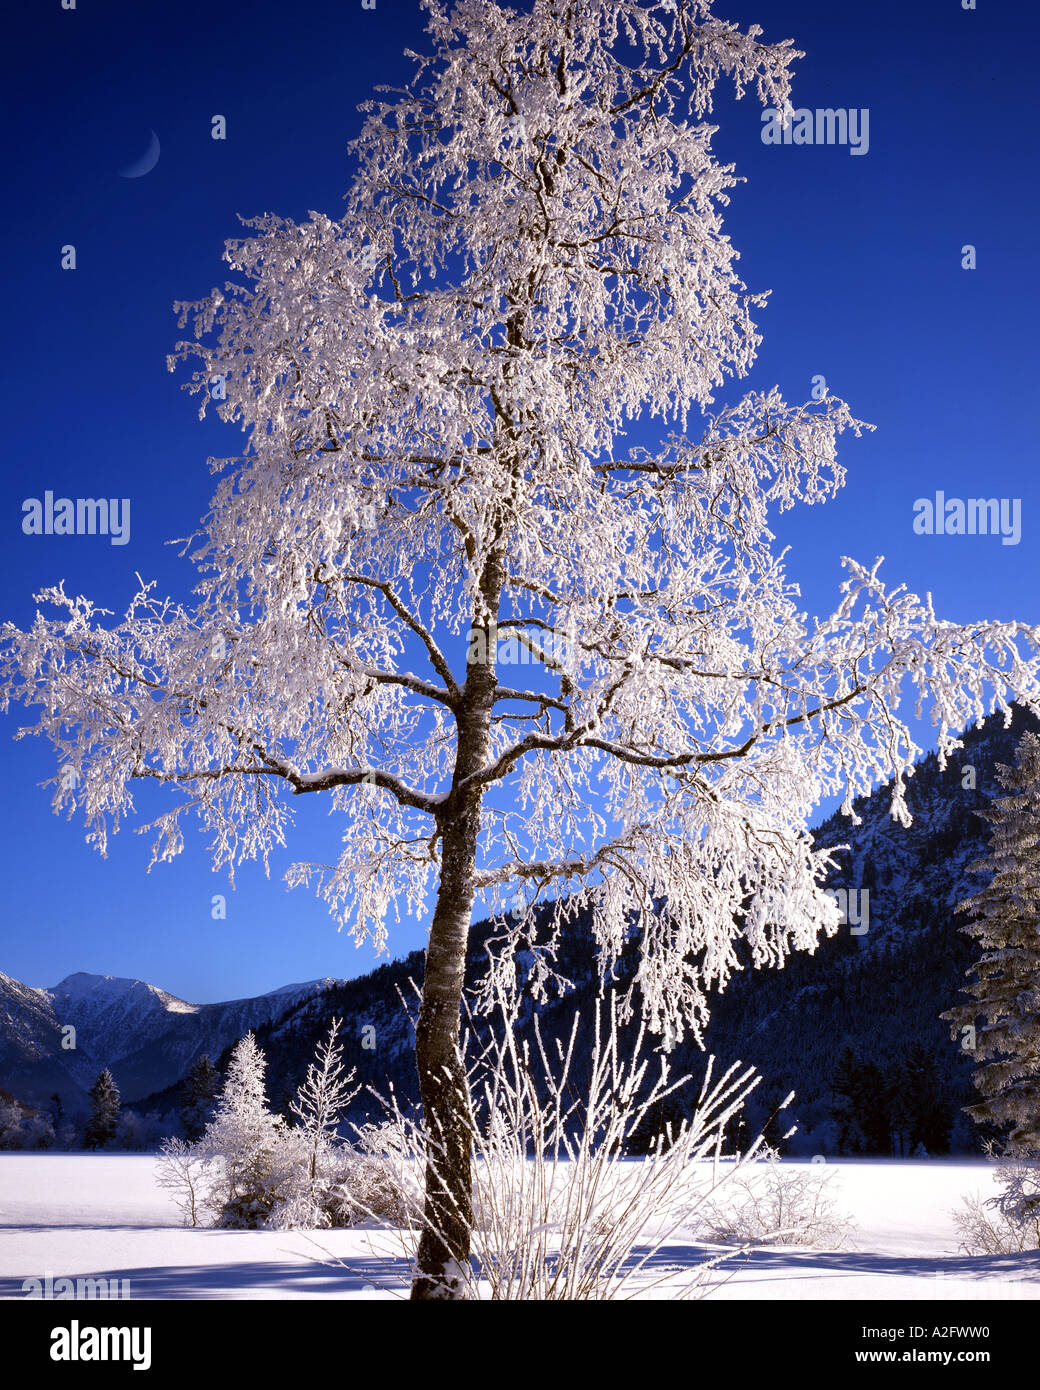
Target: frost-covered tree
[[494, 570], [104, 1111], [247, 1140], [39, 1131], [324, 1094], [1004, 917], [184, 1171], [12, 1122]]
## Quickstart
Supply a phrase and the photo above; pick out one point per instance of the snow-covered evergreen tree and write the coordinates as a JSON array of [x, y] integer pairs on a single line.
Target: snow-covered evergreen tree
[[1004, 917], [324, 1094], [247, 1140], [104, 1111]]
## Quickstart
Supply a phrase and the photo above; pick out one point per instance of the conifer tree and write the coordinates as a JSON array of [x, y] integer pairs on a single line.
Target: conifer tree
[[1004, 1012], [919, 1092], [104, 1110], [247, 1138], [324, 1095], [201, 1089]]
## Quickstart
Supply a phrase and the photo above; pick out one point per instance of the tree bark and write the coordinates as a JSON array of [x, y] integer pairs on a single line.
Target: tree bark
[[445, 1238], [444, 1243]]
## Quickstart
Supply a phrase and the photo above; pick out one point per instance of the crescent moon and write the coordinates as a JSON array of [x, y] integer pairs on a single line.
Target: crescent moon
[[146, 163]]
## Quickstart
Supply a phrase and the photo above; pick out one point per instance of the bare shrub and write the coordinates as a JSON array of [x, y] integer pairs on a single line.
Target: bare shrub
[[185, 1173], [1009, 1222], [778, 1205], [559, 1211]]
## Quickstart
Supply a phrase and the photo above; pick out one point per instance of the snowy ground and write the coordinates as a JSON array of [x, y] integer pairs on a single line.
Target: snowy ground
[[102, 1215]]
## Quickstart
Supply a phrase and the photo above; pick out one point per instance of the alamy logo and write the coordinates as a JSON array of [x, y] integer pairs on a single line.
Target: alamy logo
[[77, 516], [76, 1343], [974, 516], [854, 906], [515, 649], [827, 126], [84, 1286]]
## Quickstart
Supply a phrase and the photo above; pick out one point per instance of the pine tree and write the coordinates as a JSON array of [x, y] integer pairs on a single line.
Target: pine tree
[[1004, 1014], [874, 1103], [247, 1139], [920, 1091], [902, 1115], [324, 1095], [201, 1089], [861, 1105], [845, 1091], [104, 1111]]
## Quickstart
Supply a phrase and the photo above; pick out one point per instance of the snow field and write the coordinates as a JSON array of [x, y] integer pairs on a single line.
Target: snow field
[[102, 1215]]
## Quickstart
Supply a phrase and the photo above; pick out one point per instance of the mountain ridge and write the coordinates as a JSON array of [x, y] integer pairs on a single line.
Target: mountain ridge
[[54, 1040]]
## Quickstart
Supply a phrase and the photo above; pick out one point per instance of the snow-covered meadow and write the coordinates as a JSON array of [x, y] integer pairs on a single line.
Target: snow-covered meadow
[[103, 1216]]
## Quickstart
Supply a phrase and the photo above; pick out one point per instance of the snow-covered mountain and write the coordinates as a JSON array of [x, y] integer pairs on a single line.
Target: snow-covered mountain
[[58, 1039]]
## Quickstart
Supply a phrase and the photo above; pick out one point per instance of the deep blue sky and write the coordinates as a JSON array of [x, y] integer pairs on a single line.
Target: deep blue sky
[[862, 254]]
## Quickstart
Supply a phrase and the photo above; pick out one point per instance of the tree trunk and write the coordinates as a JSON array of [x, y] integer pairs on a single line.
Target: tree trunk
[[445, 1239], [444, 1242]]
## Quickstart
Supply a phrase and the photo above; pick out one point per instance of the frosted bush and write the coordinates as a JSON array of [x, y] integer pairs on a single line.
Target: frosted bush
[[778, 1205], [353, 1185], [24, 1128], [189, 1178], [986, 1232], [559, 1212], [381, 1181], [1009, 1222]]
